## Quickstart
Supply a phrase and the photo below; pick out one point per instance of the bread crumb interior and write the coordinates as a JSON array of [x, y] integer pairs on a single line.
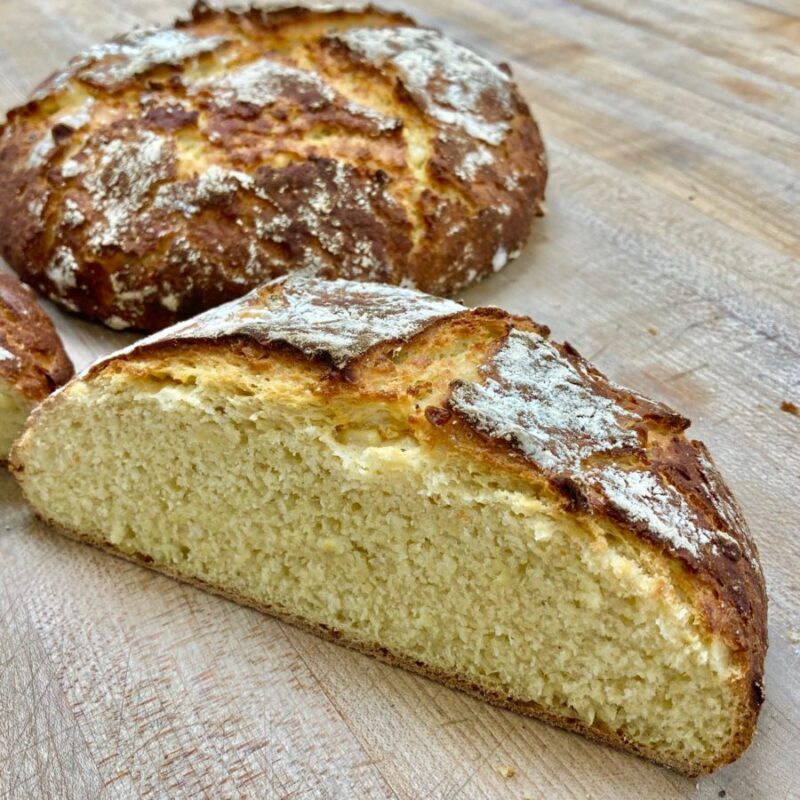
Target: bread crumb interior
[[239, 476]]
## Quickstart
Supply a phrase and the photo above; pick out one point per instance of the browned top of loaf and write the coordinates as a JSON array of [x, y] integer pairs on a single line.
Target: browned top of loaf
[[174, 169], [528, 405], [32, 357]]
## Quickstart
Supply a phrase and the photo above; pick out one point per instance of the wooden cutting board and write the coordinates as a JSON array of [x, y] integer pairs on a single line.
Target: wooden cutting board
[[670, 255]]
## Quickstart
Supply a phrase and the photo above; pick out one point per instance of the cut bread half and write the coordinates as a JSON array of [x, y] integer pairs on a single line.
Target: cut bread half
[[443, 488]]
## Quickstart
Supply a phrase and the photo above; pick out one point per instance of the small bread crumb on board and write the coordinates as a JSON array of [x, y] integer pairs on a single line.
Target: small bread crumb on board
[[506, 770], [790, 408]]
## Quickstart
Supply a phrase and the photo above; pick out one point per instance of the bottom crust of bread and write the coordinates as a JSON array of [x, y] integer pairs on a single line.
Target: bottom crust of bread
[[598, 732]]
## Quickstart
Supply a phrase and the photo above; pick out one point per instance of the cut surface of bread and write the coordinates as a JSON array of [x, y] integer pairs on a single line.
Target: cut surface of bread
[[32, 358], [372, 464], [14, 410], [173, 169]]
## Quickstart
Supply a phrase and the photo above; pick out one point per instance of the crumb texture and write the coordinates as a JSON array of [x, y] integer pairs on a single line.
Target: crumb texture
[[32, 358], [352, 527], [14, 410]]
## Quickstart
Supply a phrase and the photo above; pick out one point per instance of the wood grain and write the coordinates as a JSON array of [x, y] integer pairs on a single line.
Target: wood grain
[[670, 255]]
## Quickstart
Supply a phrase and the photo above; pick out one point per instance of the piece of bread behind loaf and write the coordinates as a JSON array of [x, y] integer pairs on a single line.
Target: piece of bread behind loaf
[[443, 488], [32, 358]]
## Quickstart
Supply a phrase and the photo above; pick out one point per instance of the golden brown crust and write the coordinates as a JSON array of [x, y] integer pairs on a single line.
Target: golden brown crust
[[148, 183], [596, 731], [661, 486], [32, 357]]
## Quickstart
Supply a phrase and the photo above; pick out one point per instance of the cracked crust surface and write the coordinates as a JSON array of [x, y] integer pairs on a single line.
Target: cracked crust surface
[[170, 170], [32, 357]]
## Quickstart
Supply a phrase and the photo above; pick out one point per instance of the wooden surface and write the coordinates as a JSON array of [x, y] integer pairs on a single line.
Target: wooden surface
[[670, 255]]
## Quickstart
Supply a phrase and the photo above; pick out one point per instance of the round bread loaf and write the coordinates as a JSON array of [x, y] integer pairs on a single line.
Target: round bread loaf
[[173, 169]]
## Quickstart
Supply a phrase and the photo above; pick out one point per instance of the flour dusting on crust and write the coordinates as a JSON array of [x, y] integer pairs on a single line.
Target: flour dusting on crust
[[7, 355], [214, 185], [108, 65], [473, 161], [646, 500], [72, 168], [382, 122], [535, 398], [338, 319], [262, 82], [450, 82], [344, 320], [45, 147], [63, 269], [125, 172], [723, 503], [569, 421], [72, 216]]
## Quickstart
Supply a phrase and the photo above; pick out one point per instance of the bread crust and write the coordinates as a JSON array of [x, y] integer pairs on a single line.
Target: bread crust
[[35, 362], [634, 472], [146, 185]]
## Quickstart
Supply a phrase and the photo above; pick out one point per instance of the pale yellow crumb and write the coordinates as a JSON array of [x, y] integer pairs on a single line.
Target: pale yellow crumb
[[652, 330], [340, 512]]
